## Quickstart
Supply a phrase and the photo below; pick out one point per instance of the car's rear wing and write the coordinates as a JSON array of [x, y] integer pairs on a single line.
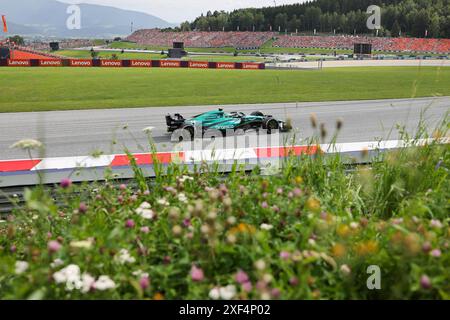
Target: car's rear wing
[[174, 122]]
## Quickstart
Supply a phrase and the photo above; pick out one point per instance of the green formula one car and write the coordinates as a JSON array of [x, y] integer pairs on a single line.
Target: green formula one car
[[219, 123]]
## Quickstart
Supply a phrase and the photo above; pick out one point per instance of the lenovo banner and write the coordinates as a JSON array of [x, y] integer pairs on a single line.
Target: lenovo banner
[[198, 64], [80, 63], [50, 63], [111, 63], [18, 63], [169, 64], [225, 65], [141, 63], [253, 66]]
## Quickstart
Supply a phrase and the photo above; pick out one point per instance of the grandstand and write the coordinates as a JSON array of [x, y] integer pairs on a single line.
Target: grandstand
[[25, 53], [194, 39], [380, 44], [252, 40]]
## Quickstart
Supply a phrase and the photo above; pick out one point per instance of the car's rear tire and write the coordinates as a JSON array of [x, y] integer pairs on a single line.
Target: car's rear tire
[[182, 135], [272, 125]]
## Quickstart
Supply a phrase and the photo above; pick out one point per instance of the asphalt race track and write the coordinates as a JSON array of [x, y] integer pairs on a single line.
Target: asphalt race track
[[80, 133]]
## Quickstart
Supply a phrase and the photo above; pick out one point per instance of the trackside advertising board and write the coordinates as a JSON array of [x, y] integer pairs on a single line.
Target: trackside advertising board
[[251, 66], [198, 64], [18, 63], [225, 65], [170, 64], [80, 63], [141, 63], [130, 63], [50, 63], [111, 63]]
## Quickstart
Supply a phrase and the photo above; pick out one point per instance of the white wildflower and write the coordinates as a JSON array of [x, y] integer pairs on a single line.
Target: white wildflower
[[266, 226], [27, 144], [354, 225], [214, 293], [265, 296], [228, 292], [140, 274], [124, 257], [231, 220], [163, 202], [21, 267], [56, 263], [69, 275], [148, 130], [74, 280], [182, 198], [83, 244], [436, 224], [345, 269], [183, 179], [145, 205], [145, 212], [88, 282], [104, 283], [260, 265]]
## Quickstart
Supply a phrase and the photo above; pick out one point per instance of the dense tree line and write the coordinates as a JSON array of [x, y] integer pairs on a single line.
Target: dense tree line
[[417, 18]]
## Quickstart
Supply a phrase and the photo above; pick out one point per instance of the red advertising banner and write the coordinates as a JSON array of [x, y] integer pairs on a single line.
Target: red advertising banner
[[141, 63], [252, 66], [80, 63], [111, 63], [50, 63], [199, 64], [18, 63], [170, 64], [225, 65]]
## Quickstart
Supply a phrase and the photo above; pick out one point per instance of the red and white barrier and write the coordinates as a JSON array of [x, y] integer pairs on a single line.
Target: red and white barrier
[[8, 167]]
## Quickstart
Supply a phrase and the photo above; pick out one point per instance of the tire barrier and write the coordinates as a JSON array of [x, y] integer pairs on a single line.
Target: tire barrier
[[103, 63]]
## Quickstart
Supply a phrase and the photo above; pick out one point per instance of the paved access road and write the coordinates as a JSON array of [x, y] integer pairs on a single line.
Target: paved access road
[[80, 133]]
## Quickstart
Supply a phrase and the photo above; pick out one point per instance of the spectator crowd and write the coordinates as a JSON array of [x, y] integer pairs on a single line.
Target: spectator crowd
[[201, 39], [250, 40], [381, 44]]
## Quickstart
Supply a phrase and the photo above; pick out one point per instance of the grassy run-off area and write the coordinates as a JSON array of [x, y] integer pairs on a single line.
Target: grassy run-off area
[[310, 231], [38, 89]]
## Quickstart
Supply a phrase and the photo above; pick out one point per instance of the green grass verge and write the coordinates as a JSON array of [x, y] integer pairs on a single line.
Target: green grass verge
[[38, 89]]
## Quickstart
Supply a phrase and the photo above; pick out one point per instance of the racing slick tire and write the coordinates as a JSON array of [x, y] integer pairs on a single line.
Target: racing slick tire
[[272, 125], [183, 134], [257, 114]]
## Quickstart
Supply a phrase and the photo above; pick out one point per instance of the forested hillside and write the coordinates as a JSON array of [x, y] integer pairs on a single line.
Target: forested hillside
[[417, 18]]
